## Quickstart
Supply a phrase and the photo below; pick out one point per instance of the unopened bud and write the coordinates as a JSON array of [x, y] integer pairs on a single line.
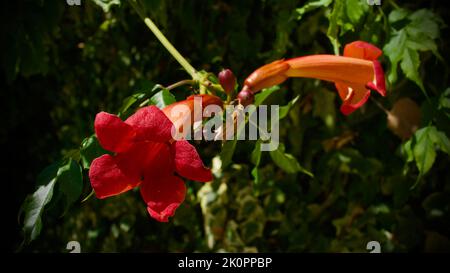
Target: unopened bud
[[246, 96], [227, 80]]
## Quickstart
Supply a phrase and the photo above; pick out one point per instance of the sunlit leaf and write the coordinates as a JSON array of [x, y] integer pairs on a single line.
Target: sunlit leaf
[[33, 208], [162, 98], [411, 32], [310, 6]]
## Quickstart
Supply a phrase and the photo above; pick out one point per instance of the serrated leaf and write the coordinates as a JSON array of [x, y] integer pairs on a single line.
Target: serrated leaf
[[439, 139], [394, 51], [426, 22], [424, 152], [397, 15], [410, 66], [355, 10], [418, 31]]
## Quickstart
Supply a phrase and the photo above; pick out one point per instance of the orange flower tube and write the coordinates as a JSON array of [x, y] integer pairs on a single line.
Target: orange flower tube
[[354, 74]]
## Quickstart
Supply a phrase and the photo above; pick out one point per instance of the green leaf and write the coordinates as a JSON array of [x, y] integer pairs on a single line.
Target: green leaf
[[439, 139], [424, 152], [410, 66], [68, 179], [411, 33], [90, 149], [422, 148], [47, 174], [394, 51], [284, 110], [407, 150], [226, 155], [32, 208], [264, 94], [444, 100], [397, 15], [355, 10], [256, 153], [286, 161], [162, 98], [256, 159], [229, 147], [70, 182], [335, 19], [130, 101], [310, 6]]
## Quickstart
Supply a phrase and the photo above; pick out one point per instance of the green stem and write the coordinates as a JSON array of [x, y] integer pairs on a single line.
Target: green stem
[[180, 83], [172, 50]]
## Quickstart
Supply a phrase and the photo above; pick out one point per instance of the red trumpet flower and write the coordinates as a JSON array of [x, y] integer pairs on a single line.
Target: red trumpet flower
[[146, 155], [354, 74]]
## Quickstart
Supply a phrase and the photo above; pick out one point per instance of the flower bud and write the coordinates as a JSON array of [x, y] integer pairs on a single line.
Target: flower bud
[[227, 80], [246, 96]]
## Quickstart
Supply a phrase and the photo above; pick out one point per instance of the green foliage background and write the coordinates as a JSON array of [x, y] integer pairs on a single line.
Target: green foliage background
[[62, 64]]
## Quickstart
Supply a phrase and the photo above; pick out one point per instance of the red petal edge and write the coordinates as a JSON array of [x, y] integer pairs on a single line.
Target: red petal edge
[[108, 179], [362, 50], [347, 109], [380, 86], [150, 124], [113, 134], [188, 162], [163, 196]]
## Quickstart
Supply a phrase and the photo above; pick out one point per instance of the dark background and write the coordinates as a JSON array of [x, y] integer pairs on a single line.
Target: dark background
[[63, 64]]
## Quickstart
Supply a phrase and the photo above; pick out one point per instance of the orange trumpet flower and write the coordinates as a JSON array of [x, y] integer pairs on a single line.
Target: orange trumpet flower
[[354, 74]]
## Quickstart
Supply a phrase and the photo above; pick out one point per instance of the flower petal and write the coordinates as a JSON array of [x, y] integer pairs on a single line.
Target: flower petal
[[353, 96], [108, 178], [188, 163], [362, 50], [331, 68], [267, 75], [379, 84], [163, 195], [113, 134], [184, 113], [150, 124]]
